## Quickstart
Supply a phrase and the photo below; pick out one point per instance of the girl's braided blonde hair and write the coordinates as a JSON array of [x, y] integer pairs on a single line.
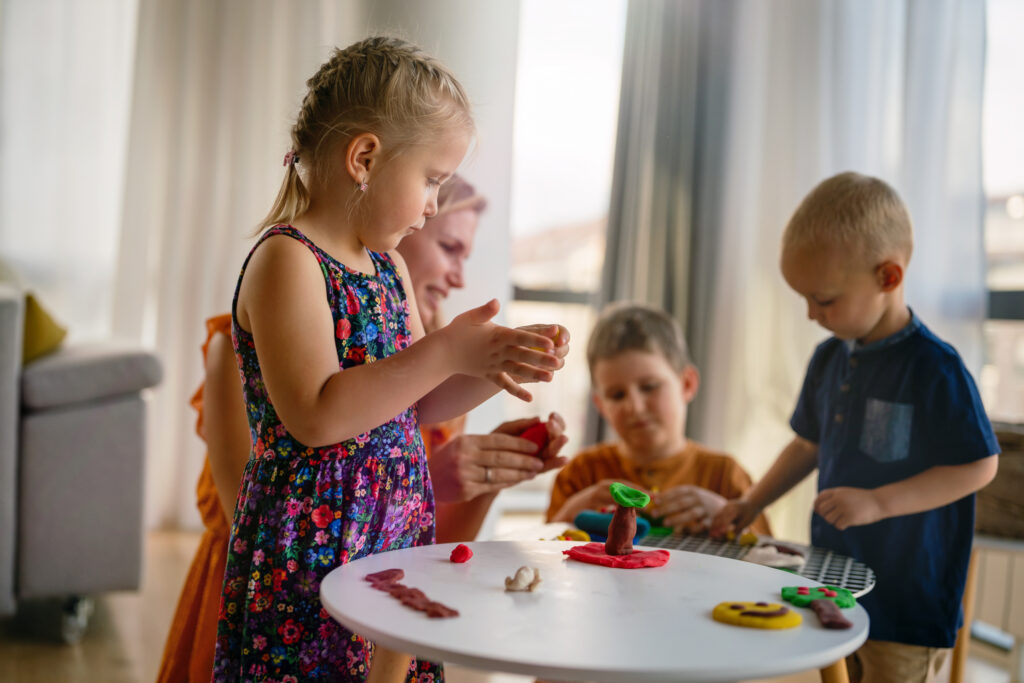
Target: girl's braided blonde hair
[[381, 85]]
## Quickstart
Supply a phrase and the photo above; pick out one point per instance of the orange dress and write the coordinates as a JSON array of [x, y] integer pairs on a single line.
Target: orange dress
[[695, 465], [188, 653]]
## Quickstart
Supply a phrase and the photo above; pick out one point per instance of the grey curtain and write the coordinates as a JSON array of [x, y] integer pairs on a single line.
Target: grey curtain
[[665, 127]]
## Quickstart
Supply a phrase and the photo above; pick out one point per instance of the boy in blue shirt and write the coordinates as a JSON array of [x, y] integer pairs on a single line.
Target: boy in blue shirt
[[892, 421]]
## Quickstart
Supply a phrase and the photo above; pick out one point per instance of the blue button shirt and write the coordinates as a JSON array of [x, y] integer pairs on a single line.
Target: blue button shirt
[[880, 413]]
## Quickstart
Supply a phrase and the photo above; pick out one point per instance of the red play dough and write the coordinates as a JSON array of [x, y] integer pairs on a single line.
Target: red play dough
[[461, 553], [593, 553], [538, 434]]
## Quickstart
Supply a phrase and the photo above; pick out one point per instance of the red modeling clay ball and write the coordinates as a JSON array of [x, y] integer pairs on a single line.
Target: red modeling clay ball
[[461, 553], [538, 434]]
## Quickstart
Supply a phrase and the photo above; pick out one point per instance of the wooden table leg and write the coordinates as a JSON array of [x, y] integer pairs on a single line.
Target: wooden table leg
[[835, 673], [963, 638], [388, 666]]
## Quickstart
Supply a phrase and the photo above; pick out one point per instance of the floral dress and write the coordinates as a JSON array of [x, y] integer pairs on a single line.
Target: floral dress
[[302, 511]]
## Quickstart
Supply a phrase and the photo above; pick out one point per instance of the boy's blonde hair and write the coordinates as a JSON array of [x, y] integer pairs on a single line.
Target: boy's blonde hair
[[381, 85], [636, 327], [853, 212]]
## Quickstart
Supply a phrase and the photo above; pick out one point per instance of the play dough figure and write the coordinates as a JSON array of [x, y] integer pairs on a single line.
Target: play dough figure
[[623, 526], [525, 579], [756, 615]]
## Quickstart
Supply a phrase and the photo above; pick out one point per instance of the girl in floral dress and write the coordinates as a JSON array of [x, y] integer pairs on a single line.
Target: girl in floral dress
[[337, 372]]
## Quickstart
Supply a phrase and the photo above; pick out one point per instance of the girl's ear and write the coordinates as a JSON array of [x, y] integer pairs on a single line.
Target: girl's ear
[[361, 155], [690, 378], [889, 275]]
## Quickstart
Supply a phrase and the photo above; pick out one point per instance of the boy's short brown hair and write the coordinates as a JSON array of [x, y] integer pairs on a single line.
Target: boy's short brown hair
[[636, 327], [853, 212]]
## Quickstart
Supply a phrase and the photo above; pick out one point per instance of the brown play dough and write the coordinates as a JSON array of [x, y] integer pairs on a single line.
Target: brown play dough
[[621, 531], [829, 614], [387, 581]]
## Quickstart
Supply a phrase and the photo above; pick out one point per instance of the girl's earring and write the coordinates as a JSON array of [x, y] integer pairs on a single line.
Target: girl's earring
[[363, 186]]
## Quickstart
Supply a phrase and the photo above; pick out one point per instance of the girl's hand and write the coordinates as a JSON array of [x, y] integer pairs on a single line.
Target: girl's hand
[[843, 507], [687, 508], [735, 516], [556, 333], [505, 356]]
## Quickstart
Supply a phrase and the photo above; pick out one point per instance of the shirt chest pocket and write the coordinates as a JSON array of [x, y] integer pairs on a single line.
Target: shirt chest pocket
[[885, 436]]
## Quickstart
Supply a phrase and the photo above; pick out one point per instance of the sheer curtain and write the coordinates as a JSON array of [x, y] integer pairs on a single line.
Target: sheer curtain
[[789, 93], [216, 87], [65, 87]]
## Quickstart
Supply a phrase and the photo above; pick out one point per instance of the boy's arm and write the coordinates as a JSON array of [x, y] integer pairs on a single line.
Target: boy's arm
[[798, 459], [844, 507]]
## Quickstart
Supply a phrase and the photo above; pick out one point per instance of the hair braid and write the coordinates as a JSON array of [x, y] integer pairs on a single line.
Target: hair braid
[[380, 85]]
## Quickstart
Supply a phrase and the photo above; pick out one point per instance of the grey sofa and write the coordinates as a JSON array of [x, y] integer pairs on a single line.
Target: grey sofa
[[72, 449]]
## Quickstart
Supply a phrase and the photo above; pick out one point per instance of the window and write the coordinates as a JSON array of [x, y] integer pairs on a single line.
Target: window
[[563, 155], [1002, 377]]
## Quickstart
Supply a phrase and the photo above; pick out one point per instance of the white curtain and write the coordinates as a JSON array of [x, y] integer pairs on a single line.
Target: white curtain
[[216, 87], [142, 143], [781, 95], [65, 86], [888, 88]]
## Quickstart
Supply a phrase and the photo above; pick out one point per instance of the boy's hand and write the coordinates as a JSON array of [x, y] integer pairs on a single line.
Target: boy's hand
[[505, 356], [843, 507], [598, 496], [687, 508], [594, 497], [735, 515]]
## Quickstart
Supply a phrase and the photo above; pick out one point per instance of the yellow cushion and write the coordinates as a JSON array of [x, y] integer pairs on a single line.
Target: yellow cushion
[[43, 334]]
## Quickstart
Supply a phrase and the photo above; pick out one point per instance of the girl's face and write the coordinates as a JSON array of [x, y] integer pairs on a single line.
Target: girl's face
[[435, 256], [403, 194]]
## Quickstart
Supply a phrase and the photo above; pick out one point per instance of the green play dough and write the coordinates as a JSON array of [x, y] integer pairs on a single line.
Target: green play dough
[[628, 497], [844, 598], [660, 531]]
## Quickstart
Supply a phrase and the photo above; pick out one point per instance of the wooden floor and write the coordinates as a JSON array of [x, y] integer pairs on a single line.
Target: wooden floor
[[126, 635]]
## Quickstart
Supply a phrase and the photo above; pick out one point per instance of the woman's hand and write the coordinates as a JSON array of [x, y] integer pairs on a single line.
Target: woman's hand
[[505, 356], [471, 465], [686, 508]]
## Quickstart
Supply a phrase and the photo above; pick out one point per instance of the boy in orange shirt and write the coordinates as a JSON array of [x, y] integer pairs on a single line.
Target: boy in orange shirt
[[643, 381]]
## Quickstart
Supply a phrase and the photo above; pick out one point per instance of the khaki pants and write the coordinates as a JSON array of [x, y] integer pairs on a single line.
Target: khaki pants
[[879, 661]]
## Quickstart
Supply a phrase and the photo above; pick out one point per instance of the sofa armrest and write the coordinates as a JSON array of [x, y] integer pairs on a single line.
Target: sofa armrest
[[80, 373], [12, 321]]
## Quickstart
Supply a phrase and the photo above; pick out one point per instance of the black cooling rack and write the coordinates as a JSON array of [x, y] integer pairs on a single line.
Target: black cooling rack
[[821, 565]]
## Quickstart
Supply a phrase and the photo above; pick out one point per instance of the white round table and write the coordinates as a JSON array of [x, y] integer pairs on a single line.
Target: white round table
[[585, 622]]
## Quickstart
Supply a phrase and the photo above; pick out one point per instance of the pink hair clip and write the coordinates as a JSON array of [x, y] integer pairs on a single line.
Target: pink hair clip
[[291, 157]]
